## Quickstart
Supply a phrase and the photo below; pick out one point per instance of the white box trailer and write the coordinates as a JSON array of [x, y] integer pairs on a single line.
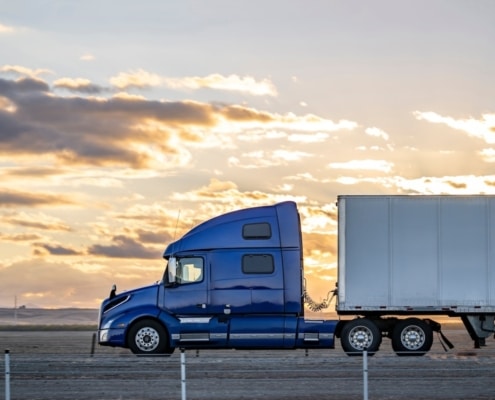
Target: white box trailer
[[422, 255]]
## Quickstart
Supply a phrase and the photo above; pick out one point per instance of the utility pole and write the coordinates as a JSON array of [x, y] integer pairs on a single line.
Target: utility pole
[[15, 310]]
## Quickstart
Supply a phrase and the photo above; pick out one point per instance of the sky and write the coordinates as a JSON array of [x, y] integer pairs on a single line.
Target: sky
[[123, 124]]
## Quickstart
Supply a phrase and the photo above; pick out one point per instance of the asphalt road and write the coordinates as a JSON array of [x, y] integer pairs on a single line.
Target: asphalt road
[[59, 365]]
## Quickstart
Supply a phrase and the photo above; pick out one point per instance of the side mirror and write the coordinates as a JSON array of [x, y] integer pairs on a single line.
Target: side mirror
[[172, 270]]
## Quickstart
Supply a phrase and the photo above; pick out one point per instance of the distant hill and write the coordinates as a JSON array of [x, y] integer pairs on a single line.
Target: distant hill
[[89, 317], [44, 316]]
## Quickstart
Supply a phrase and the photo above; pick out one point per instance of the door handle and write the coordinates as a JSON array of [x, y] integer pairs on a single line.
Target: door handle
[[202, 305]]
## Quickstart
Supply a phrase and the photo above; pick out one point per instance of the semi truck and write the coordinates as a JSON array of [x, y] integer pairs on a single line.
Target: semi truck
[[237, 280]]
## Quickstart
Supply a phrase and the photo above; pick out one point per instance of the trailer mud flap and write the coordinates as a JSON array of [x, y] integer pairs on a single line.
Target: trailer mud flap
[[436, 327]]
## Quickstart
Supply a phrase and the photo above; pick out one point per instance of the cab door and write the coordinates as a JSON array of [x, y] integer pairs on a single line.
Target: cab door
[[188, 293], [186, 297]]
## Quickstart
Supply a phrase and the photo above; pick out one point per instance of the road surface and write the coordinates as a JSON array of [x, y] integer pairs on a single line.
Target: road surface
[[59, 365]]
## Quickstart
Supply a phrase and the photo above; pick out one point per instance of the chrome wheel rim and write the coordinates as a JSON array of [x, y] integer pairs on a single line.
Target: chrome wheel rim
[[360, 338], [412, 337], [147, 339]]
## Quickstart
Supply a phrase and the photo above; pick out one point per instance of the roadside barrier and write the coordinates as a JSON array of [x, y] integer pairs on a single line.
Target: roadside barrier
[[183, 373], [365, 375], [7, 375], [261, 374]]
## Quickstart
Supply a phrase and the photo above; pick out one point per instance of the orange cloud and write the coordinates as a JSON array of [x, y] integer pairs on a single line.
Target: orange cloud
[[144, 79], [10, 198]]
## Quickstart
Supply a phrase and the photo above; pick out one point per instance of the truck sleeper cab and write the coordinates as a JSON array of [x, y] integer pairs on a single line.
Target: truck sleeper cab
[[234, 281]]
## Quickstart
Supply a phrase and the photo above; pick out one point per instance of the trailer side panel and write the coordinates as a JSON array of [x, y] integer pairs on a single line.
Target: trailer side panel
[[431, 254]]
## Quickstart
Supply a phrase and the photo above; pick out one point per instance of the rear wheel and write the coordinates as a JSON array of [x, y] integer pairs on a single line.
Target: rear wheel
[[412, 337], [359, 335], [148, 337]]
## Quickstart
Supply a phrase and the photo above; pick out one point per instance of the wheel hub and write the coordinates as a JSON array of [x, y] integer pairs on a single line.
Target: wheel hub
[[360, 338], [413, 338], [147, 339]]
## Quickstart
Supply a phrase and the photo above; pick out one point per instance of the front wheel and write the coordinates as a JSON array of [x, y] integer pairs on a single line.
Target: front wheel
[[412, 337], [359, 335], [148, 337]]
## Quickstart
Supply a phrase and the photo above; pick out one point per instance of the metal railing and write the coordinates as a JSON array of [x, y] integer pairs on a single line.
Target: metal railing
[[231, 374]]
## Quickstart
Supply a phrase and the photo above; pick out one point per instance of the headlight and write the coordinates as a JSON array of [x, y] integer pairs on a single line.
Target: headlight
[[103, 335]]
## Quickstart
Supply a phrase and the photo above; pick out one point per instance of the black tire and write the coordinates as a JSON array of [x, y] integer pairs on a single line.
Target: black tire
[[360, 334], [412, 337], [148, 337]]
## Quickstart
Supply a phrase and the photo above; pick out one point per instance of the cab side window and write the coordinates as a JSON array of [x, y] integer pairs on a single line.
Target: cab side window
[[258, 264], [189, 270]]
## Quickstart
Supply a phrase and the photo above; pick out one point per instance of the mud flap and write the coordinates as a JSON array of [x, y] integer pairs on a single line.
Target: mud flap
[[436, 327]]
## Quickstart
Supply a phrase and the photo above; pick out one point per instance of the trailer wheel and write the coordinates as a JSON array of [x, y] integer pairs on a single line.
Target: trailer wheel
[[412, 337], [148, 337], [358, 335]]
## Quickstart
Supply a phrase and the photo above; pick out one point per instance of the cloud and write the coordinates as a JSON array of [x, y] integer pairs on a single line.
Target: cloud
[[488, 155], [7, 105], [219, 193], [377, 132], [306, 177], [304, 129], [20, 237], [103, 145], [313, 123], [316, 137], [43, 249], [124, 247], [34, 220], [24, 71], [141, 79], [160, 237], [320, 219], [266, 159], [467, 184], [367, 165], [38, 171], [96, 132], [453, 185], [238, 113], [58, 175], [234, 83], [483, 128], [135, 132], [80, 85], [71, 284], [136, 79], [65, 284], [319, 231], [10, 198]]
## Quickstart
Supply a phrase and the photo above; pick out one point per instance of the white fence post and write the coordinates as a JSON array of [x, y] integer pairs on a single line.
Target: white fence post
[[182, 373], [7, 375], [365, 374]]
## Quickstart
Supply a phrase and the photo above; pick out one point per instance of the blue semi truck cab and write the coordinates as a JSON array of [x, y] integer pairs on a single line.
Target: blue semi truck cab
[[234, 281]]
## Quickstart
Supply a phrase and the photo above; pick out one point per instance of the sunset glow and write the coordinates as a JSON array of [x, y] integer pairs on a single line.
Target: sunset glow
[[118, 135]]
